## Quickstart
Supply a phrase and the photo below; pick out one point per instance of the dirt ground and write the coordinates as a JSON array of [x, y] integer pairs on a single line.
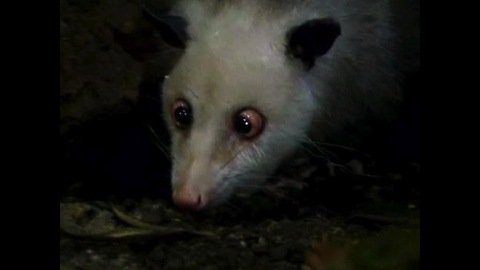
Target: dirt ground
[[115, 211]]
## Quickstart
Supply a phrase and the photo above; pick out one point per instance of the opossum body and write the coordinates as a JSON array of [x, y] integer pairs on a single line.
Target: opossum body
[[257, 77]]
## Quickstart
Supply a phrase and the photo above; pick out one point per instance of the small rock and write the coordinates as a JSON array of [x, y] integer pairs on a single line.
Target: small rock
[[278, 253], [262, 241], [259, 248]]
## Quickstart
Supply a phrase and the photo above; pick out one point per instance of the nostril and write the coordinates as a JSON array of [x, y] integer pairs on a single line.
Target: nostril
[[188, 199], [199, 200], [202, 202]]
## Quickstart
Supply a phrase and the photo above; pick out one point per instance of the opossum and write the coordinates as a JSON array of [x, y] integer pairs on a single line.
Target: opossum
[[259, 78]]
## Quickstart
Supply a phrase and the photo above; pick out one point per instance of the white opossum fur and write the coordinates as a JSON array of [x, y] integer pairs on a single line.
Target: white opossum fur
[[236, 57]]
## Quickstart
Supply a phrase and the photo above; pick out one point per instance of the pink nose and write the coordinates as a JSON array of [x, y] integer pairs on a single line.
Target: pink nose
[[188, 198]]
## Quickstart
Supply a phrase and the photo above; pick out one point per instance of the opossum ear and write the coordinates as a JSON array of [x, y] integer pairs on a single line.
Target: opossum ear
[[172, 28], [312, 39]]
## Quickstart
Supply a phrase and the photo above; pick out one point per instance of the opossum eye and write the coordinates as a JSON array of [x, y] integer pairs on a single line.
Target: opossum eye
[[248, 123], [182, 113]]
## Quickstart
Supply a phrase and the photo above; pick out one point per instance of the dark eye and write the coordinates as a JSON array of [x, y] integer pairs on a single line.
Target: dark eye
[[248, 123], [182, 113]]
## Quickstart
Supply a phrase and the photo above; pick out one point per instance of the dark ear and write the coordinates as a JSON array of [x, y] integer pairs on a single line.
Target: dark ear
[[172, 28], [312, 39]]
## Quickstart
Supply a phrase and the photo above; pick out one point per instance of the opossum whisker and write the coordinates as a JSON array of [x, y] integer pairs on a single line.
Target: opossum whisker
[[232, 158], [158, 143], [162, 149], [193, 92], [258, 153], [245, 179], [317, 146], [267, 189], [309, 151], [322, 143], [154, 99], [338, 146]]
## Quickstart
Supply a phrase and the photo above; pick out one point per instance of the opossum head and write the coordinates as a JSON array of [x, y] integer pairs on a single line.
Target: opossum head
[[237, 103]]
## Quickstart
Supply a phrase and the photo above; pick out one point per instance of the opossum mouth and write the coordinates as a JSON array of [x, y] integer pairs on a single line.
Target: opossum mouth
[[218, 196], [226, 190], [221, 193]]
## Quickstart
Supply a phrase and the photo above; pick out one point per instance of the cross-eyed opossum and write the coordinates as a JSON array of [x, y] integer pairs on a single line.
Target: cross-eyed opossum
[[257, 78]]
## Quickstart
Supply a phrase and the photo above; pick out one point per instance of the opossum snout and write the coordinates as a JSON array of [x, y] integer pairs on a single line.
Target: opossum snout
[[189, 198]]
